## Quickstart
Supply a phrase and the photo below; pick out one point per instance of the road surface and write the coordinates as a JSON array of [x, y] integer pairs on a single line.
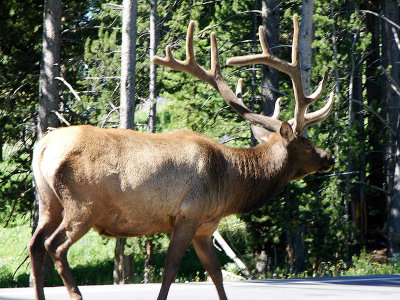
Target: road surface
[[353, 288]]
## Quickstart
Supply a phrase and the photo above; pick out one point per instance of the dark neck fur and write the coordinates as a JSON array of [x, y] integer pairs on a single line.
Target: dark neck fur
[[255, 176]]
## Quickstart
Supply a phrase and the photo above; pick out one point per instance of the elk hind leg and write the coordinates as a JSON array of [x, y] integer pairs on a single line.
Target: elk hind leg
[[50, 217], [205, 251], [69, 231], [182, 234]]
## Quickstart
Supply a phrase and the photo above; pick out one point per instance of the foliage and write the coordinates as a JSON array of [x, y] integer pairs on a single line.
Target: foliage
[[364, 265], [325, 213]]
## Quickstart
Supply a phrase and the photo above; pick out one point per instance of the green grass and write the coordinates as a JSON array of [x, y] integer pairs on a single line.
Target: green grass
[[91, 260], [13, 252]]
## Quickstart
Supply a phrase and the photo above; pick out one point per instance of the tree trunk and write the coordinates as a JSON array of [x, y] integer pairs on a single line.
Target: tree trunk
[[149, 255], [153, 69], [122, 262], [343, 217], [50, 66], [270, 76], [128, 64], [253, 141], [375, 100], [269, 88], [149, 261], [305, 40], [390, 59], [124, 265], [305, 54], [394, 211], [48, 94]]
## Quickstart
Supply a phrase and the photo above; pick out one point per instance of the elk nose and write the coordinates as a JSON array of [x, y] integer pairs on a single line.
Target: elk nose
[[331, 158]]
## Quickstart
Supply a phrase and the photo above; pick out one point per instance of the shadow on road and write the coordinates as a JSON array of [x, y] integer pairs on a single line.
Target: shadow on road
[[368, 280]]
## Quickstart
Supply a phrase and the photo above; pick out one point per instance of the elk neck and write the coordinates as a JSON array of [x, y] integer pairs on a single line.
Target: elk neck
[[256, 175]]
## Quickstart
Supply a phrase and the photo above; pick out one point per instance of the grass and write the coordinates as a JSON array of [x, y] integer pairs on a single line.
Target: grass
[[91, 260]]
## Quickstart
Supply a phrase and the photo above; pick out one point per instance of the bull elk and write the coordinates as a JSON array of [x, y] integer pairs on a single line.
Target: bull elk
[[124, 183]]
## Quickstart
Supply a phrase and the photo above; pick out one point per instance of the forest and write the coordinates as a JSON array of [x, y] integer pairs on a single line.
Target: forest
[[315, 226]]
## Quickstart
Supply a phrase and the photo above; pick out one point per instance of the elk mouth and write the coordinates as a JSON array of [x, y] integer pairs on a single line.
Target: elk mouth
[[325, 169], [327, 166]]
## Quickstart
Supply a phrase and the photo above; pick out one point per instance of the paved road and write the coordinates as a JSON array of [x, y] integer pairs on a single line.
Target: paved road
[[353, 288]]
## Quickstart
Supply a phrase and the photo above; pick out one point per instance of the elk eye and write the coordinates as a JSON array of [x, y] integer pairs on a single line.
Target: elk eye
[[308, 146]]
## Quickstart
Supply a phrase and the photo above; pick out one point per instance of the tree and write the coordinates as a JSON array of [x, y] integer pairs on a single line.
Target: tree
[[149, 246], [122, 262], [48, 89], [296, 241], [270, 76], [390, 65], [128, 64], [153, 68], [50, 67]]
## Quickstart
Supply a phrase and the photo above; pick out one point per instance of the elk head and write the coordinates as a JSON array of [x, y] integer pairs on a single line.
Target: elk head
[[304, 157]]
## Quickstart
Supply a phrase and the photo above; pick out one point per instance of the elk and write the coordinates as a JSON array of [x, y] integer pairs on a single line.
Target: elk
[[125, 183]]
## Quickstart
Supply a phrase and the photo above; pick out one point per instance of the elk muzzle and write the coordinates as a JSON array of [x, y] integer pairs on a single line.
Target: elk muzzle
[[327, 160]]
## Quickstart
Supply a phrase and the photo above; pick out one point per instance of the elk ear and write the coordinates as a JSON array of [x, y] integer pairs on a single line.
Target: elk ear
[[287, 131], [261, 134]]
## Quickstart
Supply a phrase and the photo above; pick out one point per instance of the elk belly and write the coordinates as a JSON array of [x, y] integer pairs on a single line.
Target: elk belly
[[116, 224]]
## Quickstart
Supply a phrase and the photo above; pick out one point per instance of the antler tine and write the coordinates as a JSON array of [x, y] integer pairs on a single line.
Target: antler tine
[[239, 89], [319, 115], [314, 96], [190, 65], [266, 57], [214, 77], [295, 42], [215, 64], [190, 58], [277, 109], [301, 119]]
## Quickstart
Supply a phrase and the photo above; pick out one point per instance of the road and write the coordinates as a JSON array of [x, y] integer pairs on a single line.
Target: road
[[353, 288]]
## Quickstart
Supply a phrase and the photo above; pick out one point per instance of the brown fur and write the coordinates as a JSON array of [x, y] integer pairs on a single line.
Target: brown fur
[[126, 183]]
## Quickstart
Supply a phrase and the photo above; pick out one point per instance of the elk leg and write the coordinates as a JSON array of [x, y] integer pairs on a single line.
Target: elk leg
[[205, 251], [37, 253], [182, 234], [50, 217], [58, 244]]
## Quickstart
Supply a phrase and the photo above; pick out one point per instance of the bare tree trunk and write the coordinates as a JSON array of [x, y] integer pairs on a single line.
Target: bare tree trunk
[[149, 255], [342, 217], [376, 100], [253, 141], [394, 210], [48, 93], [270, 76], [50, 66], [269, 88], [305, 40], [390, 58], [122, 262], [149, 261], [305, 54], [153, 69], [128, 64], [124, 265]]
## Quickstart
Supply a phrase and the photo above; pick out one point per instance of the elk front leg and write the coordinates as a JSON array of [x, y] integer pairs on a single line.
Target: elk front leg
[[182, 234], [205, 251]]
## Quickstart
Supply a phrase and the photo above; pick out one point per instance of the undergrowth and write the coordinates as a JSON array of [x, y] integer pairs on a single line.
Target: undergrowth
[[91, 260]]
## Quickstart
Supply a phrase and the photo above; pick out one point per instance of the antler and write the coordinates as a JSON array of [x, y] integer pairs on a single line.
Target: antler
[[214, 78], [301, 119]]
